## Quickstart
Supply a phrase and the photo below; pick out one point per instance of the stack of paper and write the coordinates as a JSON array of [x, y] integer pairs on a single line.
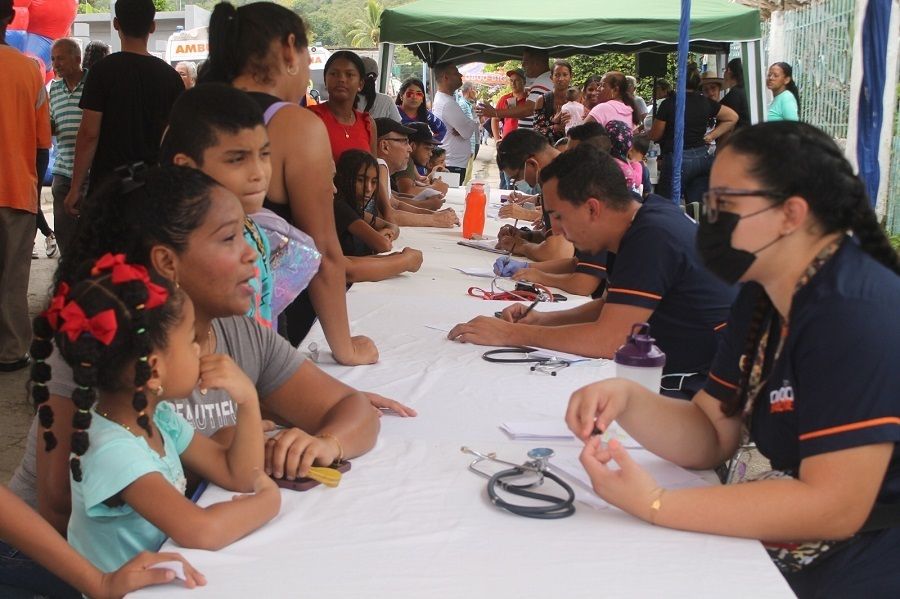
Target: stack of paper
[[487, 245], [666, 474], [545, 429]]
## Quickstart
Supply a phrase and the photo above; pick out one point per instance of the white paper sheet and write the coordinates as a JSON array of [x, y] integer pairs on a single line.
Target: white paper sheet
[[666, 474], [426, 193], [477, 271], [543, 429], [485, 245]]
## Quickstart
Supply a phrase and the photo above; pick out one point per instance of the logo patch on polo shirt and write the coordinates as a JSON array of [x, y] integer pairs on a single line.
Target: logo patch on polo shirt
[[782, 400]]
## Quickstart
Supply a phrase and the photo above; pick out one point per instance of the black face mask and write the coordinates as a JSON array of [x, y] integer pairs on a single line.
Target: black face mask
[[714, 246]]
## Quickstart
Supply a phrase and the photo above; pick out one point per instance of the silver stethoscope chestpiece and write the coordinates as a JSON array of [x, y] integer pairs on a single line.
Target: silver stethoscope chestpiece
[[540, 456]]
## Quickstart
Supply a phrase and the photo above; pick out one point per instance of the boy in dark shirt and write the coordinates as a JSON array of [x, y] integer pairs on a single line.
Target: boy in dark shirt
[[126, 101]]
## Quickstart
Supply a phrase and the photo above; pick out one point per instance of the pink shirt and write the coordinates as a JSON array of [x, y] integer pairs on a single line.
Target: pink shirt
[[612, 110]]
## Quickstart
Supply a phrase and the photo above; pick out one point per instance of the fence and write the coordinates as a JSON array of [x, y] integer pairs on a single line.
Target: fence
[[818, 44]]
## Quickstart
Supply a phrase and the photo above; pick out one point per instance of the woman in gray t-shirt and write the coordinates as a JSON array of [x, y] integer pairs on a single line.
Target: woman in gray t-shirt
[[189, 229]]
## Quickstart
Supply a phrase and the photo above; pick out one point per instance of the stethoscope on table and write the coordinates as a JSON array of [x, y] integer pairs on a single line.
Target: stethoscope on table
[[523, 355], [520, 479]]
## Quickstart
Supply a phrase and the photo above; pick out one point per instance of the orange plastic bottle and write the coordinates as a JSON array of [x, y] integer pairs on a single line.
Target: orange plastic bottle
[[473, 219]]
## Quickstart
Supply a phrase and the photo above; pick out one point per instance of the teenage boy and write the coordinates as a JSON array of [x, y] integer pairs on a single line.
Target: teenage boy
[[219, 130], [657, 276], [126, 102]]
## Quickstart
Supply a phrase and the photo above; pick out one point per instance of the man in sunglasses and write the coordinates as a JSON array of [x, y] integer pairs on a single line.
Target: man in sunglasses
[[393, 157], [657, 276]]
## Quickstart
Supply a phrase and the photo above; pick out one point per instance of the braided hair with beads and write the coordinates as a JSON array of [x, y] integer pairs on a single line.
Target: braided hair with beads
[[837, 198], [104, 325]]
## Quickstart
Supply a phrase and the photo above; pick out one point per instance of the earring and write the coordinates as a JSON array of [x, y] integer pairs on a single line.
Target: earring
[[293, 70], [158, 391]]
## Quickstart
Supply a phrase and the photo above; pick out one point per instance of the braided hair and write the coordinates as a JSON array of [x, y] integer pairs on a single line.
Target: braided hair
[[169, 203], [103, 325], [837, 199]]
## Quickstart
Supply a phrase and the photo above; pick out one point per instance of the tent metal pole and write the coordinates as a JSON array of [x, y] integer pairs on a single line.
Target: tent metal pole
[[680, 97]]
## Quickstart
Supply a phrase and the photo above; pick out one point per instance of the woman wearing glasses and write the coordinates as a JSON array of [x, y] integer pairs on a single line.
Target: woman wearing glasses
[[807, 366], [411, 101]]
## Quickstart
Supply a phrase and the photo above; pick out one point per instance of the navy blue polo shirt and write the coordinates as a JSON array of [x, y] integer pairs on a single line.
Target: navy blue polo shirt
[[836, 385], [596, 266], [657, 267]]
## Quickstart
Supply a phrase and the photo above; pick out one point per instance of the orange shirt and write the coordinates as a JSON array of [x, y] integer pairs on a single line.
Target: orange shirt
[[24, 99]]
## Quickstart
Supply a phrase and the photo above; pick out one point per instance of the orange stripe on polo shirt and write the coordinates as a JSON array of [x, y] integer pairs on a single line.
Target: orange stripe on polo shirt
[[633, 292], [719, 327], [850, 427], [589, 265], [722, 382]]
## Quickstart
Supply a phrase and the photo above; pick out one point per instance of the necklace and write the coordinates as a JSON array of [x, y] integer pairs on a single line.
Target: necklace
[[346, 128], [106, 415]]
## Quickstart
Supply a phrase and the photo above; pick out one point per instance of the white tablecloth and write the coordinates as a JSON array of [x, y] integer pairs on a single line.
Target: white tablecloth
[[409, 520]]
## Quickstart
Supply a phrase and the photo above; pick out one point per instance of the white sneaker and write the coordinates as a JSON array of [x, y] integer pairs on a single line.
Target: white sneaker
[[34, 254], [50, 245]]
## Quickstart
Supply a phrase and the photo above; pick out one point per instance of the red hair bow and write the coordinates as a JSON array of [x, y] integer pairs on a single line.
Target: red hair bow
[[56, 305], [101, 326], [106, 262], [123, 272]]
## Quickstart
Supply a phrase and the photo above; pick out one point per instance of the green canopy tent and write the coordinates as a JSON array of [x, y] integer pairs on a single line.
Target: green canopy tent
[[460, 31]]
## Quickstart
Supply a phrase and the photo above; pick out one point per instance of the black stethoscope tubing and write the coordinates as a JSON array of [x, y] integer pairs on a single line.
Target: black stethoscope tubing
[[557, 508]]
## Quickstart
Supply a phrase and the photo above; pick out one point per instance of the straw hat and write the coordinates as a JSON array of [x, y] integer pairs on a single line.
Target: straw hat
[[710, 76]]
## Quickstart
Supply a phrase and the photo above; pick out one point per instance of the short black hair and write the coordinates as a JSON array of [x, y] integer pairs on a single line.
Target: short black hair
[[135, 17], [586, 172], [641, 143], [441, 69], [592, 133], [201, 113], [516, 147], [6, 10]]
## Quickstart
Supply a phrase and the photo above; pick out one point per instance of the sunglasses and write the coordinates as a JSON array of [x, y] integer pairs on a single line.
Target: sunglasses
[[414, 94]]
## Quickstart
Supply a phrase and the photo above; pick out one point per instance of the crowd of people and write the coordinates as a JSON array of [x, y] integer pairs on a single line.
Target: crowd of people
[[207, 217]]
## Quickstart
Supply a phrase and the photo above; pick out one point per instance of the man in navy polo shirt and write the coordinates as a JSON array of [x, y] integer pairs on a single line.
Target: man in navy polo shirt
[[657, 276]]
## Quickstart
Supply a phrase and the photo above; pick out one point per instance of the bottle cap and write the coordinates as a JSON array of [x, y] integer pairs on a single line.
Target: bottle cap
[[639, 349]]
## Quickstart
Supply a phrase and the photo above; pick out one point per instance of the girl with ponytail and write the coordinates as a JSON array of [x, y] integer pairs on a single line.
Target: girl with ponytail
[[784, 107], [129, 340], [806, 368]]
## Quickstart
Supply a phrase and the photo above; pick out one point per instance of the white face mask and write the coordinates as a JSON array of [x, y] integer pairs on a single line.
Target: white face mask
[[524, 187]]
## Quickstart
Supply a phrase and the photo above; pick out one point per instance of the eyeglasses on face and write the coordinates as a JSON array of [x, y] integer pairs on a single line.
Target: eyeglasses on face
[[402, 140], [713, 204], [412, 93]]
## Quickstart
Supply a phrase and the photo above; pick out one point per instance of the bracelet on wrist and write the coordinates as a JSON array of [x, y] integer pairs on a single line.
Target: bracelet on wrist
[[340, 457], [656, 505]]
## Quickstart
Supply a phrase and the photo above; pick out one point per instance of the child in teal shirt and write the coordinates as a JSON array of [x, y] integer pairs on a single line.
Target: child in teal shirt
[[130, 341]]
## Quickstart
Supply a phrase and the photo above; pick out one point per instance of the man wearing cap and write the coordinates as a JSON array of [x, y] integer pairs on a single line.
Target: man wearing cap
[[393, 156], [416, 176], [460, 128], [23, 99], [383, 105], [510, 100]]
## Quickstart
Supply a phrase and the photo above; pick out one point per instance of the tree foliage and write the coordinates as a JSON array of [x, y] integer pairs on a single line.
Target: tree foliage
[[366, 30]]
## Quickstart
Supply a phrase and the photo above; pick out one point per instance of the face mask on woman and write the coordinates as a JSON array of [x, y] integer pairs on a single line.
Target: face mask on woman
[[716, 251]]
